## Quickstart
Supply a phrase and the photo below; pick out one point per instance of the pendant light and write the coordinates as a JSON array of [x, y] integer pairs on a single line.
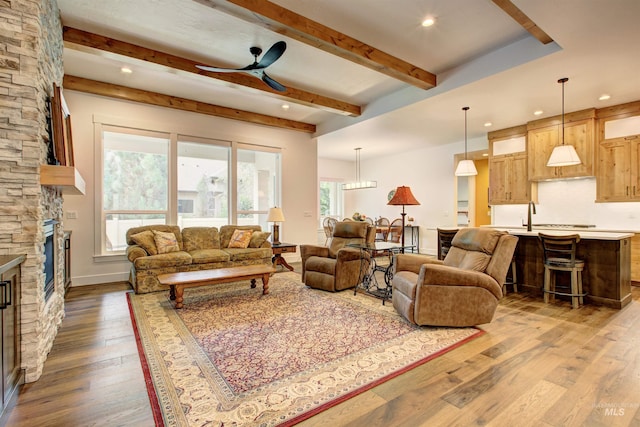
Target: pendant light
[[563, 155], [466, 167], [358, 185]]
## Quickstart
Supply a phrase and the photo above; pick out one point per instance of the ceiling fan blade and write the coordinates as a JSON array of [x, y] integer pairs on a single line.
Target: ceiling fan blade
[[272, 54], [272, 83], [220, 70]]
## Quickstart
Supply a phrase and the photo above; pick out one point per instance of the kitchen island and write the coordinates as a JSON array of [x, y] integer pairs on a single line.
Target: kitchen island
[[607, 255]]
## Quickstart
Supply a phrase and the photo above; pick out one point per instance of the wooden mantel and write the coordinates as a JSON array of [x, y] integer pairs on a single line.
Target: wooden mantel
[[66, 178]]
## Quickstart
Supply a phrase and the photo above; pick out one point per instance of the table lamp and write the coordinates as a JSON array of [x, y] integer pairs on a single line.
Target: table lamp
[[275, 216], [403, 196]]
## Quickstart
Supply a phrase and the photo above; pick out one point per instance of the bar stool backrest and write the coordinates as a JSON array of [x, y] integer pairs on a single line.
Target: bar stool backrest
[[559, 250]]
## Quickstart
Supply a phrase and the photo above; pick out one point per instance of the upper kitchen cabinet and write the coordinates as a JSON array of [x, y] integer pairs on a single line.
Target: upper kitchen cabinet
[[508, 179], [543, 135], [618, 156]]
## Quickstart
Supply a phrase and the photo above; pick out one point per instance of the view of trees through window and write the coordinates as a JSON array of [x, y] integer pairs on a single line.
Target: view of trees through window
[[137, 185], [330, 200]]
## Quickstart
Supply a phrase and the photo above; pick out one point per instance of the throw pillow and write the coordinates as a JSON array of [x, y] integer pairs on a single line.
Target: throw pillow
[[165, 242], [146, 241], [258, 238], [240, 239]]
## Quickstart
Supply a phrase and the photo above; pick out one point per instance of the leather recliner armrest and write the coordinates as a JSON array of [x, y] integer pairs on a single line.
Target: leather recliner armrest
[[442, 275], [412, 262]]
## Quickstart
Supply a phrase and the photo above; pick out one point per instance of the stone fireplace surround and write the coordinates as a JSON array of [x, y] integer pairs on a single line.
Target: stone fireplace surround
[[31, 50]]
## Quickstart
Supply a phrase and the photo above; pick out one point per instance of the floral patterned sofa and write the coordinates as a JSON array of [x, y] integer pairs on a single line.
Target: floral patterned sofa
[[159, 249]]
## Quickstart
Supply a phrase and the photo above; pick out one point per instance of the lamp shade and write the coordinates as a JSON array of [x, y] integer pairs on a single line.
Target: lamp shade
[[466, 168], [275, 215], [563, 155], [403, 196]]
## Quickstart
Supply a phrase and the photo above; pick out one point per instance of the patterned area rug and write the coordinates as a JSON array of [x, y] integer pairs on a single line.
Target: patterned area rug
[[233, 356]]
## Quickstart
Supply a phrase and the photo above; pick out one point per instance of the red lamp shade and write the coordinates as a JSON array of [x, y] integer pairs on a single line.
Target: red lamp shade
[[403, 196]]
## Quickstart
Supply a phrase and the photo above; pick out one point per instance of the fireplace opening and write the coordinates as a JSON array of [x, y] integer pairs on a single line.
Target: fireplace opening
[[49, 258]]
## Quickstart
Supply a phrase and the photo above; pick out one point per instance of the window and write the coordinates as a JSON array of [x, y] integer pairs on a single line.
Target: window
[[331, 200], [258, 175], [164, 178], [203, 182], [134, 184]]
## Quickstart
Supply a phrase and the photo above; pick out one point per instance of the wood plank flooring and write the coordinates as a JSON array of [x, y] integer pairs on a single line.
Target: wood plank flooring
[[537, 365]]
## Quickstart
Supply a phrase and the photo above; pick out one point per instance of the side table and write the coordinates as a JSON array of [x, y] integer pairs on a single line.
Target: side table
[[278, 250]]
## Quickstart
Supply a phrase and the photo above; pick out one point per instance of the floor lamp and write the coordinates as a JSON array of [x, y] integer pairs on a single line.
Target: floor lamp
[[403, 196]]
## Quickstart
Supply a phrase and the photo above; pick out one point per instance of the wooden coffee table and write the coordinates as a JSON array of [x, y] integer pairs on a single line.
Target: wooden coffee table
[[177, 282]]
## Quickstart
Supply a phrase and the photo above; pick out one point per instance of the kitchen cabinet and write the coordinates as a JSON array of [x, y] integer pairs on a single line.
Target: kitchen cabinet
[[618, 178], [12, 374], [618, 154], [508, 177], [543, 135]]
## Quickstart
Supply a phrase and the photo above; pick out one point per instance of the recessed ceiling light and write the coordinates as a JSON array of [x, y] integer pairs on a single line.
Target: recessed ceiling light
[[285, 107], [538, 112], [485, 154], [428, 22], [604, 97], [126, 70], [487, 124]]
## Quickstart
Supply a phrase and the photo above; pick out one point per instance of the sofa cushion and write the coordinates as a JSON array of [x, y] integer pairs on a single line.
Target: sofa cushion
[[146, 241], [158, 227], [172, 259], [236, 254], [240, 239], [226, 231], [200, 238], [258, 238], [204, 256], [166, 242]]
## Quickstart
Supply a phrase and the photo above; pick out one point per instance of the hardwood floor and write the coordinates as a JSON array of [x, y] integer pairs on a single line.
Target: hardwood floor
[[537, 364]]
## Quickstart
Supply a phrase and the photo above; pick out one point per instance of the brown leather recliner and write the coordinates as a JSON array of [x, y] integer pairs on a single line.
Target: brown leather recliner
[[463, 289], [338, 266]]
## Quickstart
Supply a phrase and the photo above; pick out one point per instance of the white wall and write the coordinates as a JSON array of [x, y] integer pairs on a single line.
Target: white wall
[[430, 174], [572, 202], [299, 174]]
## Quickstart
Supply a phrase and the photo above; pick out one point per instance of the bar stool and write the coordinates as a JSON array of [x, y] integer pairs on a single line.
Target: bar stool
[[512, 278], [560, 255], [445, 236]]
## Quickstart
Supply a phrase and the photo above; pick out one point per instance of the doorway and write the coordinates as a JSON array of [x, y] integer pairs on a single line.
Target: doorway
[[472, 192]]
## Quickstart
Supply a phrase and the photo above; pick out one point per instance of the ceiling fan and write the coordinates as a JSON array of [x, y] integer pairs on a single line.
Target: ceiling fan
[[257, 68]]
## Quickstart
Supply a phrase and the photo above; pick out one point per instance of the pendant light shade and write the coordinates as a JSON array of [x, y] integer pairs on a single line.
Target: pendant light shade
[[466, 167], [563, 155]]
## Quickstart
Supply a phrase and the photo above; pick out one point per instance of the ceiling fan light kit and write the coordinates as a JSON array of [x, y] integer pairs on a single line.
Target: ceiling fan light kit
[[257, 68]]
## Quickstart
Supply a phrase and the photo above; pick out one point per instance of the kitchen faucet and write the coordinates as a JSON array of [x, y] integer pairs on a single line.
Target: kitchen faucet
[[531, 206]]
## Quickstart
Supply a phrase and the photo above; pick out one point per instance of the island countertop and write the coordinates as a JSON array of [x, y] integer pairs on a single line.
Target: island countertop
[[586, 234]]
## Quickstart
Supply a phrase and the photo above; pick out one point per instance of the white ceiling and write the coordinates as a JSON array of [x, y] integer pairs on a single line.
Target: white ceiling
[[482, 58]]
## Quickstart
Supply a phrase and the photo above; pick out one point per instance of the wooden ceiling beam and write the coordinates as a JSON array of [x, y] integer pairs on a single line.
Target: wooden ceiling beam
[[161, 100], [78, 39], [521, 18], [283, 21]]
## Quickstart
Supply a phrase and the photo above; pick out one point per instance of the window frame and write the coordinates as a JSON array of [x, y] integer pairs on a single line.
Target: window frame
[[102, 124]]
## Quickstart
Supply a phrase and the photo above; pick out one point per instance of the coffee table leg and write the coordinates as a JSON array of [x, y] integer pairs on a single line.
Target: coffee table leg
[[253, 283], [265, 284], [179, 299]]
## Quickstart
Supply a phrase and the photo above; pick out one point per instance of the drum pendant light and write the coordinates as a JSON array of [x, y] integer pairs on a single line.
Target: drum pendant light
[[466, 167], [563, 155]]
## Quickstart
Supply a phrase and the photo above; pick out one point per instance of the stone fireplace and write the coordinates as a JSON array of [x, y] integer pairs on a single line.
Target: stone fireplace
[[31, 50]]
